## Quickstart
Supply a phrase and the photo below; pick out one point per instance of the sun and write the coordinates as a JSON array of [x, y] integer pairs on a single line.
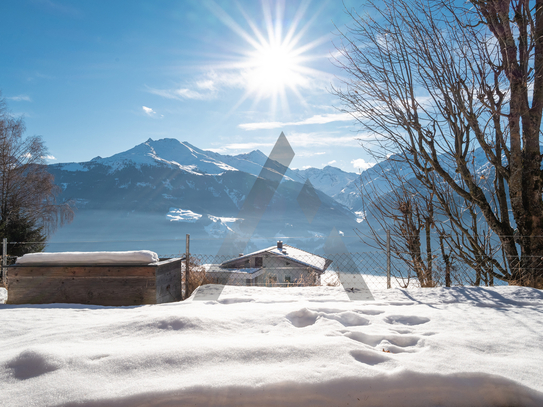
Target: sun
[[274, 67], [274, 61]]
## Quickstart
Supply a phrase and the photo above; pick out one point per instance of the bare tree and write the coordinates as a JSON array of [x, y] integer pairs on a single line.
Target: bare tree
[[467, 236], [461, 230], [409, 217], [28, 206], [435, 81], [421, 216]]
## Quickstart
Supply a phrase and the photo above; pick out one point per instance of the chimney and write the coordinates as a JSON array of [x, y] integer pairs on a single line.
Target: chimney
[[241, 255], [280, 245]]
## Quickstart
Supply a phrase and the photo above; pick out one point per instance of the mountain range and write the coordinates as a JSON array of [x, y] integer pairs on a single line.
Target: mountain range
[[163, 189], [155, 193]]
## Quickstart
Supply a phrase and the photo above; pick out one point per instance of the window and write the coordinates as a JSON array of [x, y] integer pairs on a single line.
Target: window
[[258, 261], [287, 279]]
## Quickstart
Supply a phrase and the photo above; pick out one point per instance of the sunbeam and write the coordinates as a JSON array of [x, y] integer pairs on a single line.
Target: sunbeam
[[273, 64]]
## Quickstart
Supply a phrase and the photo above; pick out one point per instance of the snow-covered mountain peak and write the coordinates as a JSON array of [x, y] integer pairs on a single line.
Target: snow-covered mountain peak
[[170, 152], [330, 180], [188, 158], [255, 156]]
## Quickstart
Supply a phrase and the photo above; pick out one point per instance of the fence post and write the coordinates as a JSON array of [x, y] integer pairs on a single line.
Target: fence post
[[187, 269], [388, 258], [4, 258]]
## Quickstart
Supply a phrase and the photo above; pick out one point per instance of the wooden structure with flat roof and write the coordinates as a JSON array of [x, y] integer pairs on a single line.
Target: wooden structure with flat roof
[[115, 285]]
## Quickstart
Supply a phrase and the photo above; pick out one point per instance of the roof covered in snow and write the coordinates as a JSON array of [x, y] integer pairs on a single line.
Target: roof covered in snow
[[212, 268], [91, 258], [235, 273], [290, 253]]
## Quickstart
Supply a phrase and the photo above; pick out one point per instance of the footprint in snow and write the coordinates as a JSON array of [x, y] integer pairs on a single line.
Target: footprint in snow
[[370, 311], [306, 317], [391, 343], [302, 318], [235, 300], [29, 364], [98, 357], [369, 357], [406, 320], [403, 331], [173, 323], [358, 311]]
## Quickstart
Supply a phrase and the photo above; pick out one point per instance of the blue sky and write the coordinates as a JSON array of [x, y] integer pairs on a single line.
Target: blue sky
[[98, 77]]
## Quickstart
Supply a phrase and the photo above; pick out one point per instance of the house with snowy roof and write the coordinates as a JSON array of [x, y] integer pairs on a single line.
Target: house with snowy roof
[[281, 265]]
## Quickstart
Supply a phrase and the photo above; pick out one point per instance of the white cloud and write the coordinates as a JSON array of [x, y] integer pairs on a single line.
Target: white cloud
[[43, 157], [299, 140], [205, 88], [361, 164], [39, 75], [331, 162], [182, 93], [20, 98], [59, 8], [321, 139], [150, 112], [239, 147], [207, 84], [262, 126], [212, 83], [310, 153], [317, 119]]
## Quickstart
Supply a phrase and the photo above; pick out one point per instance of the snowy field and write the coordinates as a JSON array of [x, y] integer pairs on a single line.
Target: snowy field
[[306, 346]]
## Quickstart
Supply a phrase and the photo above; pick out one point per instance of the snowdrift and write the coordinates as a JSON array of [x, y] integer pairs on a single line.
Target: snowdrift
[[306, 346]]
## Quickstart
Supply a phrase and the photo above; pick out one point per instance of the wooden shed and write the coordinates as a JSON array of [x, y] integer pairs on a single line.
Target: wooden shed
[[97, 284]]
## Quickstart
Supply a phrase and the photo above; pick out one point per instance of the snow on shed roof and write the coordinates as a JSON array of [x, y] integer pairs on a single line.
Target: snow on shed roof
[[92, 258], [292, 253]]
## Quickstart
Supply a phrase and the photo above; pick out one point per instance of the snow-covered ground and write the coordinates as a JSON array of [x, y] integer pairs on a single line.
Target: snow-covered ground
[[257, 346]]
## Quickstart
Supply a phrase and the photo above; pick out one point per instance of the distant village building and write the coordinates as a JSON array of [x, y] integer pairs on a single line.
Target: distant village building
[[280, 265]]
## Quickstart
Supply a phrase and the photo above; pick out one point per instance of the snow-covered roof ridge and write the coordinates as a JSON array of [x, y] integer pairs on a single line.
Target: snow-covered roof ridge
[[292, 253]]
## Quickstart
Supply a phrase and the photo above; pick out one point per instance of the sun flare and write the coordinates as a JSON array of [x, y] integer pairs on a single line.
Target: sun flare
[[274, 62]]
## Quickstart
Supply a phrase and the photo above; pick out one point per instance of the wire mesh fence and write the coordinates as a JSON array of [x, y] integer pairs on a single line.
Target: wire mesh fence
[[435, 271], [431, 270], [289, 266], [352, 271]]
